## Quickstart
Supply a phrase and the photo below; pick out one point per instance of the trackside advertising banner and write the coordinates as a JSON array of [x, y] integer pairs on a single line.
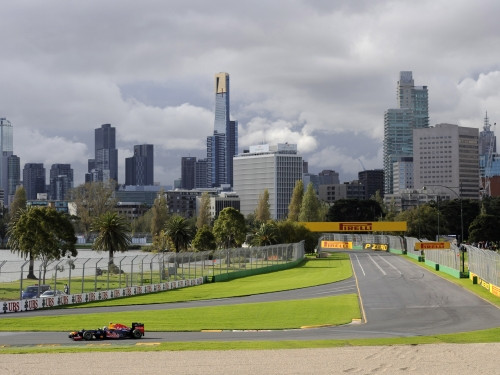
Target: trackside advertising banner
[[336, 245], [41, 303], [358, 226]]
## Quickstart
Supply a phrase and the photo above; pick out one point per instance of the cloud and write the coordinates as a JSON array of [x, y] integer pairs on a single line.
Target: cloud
[[317, 73]]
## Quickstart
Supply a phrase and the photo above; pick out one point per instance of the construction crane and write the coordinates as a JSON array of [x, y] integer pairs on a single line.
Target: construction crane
[[362, 165]]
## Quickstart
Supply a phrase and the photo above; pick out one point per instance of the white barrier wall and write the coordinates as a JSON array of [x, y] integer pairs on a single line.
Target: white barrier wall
[[41, 303]]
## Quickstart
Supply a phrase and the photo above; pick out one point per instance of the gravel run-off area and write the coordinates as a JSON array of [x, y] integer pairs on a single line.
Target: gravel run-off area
[[453, 359]]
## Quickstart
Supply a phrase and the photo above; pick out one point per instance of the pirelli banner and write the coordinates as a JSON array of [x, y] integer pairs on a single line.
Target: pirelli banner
[[432, 246], [358, 226], [336, 244]]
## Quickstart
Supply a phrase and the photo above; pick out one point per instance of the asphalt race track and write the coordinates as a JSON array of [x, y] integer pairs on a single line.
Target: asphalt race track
[[399, 299]]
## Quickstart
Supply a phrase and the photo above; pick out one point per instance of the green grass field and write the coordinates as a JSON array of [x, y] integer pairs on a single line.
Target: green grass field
[[271, 315]]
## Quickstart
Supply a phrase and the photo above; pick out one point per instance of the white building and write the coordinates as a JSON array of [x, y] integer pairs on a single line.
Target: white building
[[275, 168], [446, 157]]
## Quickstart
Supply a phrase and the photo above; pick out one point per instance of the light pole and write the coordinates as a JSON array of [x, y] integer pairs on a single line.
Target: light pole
[[459, 243]]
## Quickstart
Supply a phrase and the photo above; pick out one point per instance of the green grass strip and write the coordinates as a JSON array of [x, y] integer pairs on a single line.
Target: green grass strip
[[269, 315], [312, 272], [486, 336]]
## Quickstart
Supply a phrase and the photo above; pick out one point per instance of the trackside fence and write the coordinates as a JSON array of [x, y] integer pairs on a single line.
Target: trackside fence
[[484, 268], [483, 264], [142, 272]]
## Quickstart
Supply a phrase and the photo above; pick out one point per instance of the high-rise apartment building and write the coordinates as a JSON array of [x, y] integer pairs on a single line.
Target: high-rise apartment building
[[373, 181], [105, 162], [328, 177], [402, 172], [446, 157], [222, 146], [413, 113], [33, 180], [188, 164], [6, 150], [13, 176], [275, 168], [487, 139], [139, 168], [201, 174], [60, 181]]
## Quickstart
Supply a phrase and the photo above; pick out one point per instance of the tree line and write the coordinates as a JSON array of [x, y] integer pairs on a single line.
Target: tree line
[[46, 234]]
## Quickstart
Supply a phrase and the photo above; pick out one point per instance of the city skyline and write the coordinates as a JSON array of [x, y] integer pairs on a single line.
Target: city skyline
[[317, 74]]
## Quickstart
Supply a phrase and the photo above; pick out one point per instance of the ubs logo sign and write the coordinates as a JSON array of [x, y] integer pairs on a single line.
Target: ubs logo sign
[[356, 227]]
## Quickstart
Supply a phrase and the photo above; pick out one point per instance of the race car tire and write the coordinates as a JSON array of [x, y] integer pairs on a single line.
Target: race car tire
[[136, 334], [87, 335]]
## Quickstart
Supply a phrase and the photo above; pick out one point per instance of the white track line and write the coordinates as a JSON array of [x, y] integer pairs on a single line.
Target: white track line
[[390, 264], [380, 268], [359, 264]]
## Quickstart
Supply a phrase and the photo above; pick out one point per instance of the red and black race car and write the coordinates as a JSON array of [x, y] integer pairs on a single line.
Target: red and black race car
[[111, 331]]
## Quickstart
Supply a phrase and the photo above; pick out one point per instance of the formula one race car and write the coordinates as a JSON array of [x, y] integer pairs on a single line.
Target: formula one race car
[[111, 331]]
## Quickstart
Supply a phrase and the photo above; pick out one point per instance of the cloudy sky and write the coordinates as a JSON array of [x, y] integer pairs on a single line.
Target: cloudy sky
[[317, 73]]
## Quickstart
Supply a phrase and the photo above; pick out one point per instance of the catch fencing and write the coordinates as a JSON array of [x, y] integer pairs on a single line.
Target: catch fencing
[[94, 274], [485, 264]]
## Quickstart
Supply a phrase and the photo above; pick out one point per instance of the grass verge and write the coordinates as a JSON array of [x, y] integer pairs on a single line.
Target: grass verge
[[485, 336], [314, 271], [268, 315]]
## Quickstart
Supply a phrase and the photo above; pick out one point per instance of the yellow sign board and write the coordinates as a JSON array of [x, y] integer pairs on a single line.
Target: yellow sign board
[[358, 226], [336, 244], [375, 246], [432, 246]]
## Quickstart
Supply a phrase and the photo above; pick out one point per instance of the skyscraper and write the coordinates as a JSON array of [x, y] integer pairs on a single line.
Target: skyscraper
[[222, 146], [105, 162], [399, 123], [60, 181], [6, 150], [200, 174], [139, 169], [188, 172], [13, 176], [447, 155], [33, 180], [273, 167]]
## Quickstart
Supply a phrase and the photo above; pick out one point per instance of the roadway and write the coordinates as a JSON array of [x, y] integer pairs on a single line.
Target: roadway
[[398, 299]]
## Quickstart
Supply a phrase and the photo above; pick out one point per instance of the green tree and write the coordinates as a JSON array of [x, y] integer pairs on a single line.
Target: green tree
[[41, 233], [204, 239], [296, 201], [142, 224], [229, 228], [310, 209], [113, 235], [204, 218], [266, 234], [4, 225], [160, 242], [354, 210], [263, 210], [421, 221], [92, 200], [19, 201], [159, 213], [292, 232], [484, 228], [456, 214], [179, 232]]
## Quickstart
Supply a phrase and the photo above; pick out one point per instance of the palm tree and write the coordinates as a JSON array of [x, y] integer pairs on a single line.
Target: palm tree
[[113, 234], [179, 232], [267, 234]]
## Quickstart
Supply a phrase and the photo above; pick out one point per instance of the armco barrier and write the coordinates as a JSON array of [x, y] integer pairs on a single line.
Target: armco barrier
[[41, 303]]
